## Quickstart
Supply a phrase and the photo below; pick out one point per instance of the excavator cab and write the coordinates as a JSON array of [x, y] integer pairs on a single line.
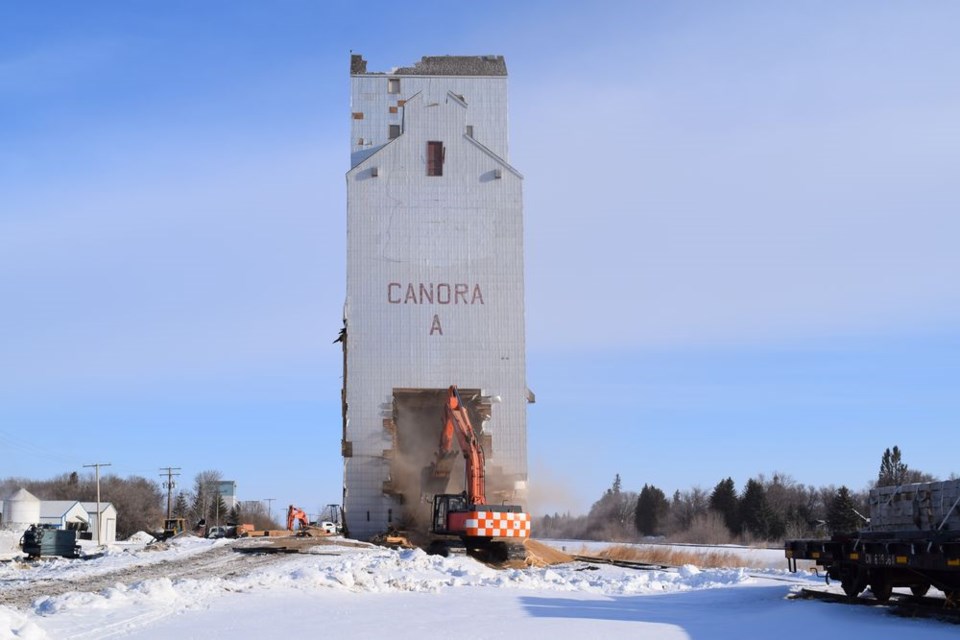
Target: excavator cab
[[443, 505]]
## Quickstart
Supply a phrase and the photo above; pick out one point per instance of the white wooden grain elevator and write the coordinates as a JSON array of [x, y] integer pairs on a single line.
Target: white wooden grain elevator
[[434, 283]]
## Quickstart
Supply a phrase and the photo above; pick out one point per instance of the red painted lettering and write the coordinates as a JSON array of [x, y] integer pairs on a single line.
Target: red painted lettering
[[435, 327], [426, 295], [390, 293], [443, 293], [434, 293]]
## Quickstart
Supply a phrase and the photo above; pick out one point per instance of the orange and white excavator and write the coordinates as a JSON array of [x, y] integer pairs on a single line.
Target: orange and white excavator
[[497, 531], [294, 515]]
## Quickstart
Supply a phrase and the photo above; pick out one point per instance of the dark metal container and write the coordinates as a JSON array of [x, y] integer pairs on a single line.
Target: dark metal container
[[46, 540]]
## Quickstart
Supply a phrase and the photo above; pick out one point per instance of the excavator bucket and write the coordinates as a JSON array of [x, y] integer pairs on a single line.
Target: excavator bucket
[[441, 467], [433, 480]]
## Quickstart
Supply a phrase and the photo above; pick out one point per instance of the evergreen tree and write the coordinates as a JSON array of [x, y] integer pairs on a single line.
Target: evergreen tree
[[724, 501], [842, 517], [651, 512], [206, 488], [198, 508], [893, 472], [755, 512], [180, 506], [218, 509], [615, 489]]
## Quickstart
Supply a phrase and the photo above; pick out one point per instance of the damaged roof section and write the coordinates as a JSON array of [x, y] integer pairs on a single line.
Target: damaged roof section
[[440, 66]]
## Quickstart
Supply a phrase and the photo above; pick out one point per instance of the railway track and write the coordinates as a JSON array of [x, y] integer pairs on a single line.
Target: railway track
[[903, 605], [626, 564]]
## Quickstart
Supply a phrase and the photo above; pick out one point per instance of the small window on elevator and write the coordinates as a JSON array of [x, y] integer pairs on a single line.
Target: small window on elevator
[[394, 131], [435, 153], [393, 85]]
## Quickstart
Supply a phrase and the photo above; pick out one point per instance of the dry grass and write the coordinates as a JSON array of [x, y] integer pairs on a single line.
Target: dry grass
[[672, 556]]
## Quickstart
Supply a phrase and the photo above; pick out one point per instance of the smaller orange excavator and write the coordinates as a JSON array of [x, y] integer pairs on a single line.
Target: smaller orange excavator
[[296, 514]]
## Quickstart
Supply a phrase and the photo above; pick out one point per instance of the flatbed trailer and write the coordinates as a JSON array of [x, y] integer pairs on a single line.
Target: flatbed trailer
[[912, 539], [884, 560]]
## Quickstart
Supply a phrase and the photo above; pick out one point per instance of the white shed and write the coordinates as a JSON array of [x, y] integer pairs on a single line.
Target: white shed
[[106, 520], [64, 514]]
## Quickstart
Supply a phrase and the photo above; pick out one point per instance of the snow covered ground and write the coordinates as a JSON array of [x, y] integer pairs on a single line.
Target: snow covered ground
[[360, 592]]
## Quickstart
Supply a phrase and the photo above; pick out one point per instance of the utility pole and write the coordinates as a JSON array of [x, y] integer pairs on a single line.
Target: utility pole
[[269, 502], [98, 465], [169, 484]]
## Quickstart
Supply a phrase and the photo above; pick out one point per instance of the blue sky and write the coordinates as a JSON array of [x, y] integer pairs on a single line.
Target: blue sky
[[741, 228]]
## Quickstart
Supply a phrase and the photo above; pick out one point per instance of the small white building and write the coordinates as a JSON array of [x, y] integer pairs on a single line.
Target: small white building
[[105, 521], [64, 514]]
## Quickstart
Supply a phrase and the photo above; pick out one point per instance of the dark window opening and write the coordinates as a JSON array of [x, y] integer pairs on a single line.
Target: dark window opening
[[435, 154], [394, 131], [389, 515], [393, 85], [470, 130], [368, 516]]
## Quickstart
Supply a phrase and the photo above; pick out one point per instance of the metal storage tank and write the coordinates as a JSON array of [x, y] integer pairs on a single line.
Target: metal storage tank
[[434, 285], [20, 510]]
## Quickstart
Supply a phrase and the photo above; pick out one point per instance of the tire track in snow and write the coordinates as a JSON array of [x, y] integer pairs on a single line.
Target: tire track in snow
[[220, 562]]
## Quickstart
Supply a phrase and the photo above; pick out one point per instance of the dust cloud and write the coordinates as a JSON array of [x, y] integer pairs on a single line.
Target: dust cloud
[[551, 492], [419, 418]]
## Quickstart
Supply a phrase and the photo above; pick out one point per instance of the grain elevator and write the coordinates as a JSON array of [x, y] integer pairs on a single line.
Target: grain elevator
[[434, 284]]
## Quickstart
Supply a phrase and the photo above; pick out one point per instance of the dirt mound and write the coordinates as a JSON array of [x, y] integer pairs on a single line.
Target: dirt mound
[[541, 555]]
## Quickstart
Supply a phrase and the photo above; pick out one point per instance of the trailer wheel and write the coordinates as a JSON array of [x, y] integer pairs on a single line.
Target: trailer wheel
[[881, 589], [920, 590], [852, 585]]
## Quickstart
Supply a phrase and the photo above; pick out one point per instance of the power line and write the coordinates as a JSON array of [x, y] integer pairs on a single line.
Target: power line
[[99, 515], [269, 502], [169, 484]]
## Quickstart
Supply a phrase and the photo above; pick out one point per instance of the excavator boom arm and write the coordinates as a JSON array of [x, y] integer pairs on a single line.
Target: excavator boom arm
[[294, 515], [457, 423]]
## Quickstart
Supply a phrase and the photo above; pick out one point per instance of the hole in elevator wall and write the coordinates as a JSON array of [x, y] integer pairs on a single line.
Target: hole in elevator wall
[[418, 417]]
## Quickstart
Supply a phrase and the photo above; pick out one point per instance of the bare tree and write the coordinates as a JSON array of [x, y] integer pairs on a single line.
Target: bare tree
[[206, 488], [685, 507]]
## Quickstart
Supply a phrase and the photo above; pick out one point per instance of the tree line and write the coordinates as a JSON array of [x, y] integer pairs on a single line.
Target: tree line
[[765, 509], [141, 503]]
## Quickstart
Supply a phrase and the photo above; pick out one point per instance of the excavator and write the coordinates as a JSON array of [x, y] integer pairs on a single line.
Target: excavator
[[294, 515], [494, 532]]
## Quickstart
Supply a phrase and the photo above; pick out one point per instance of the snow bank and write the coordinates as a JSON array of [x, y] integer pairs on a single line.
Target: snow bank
[[413, 570], [10, 544], [140, 537], [391, 584], [16, 625], [386, 571]]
